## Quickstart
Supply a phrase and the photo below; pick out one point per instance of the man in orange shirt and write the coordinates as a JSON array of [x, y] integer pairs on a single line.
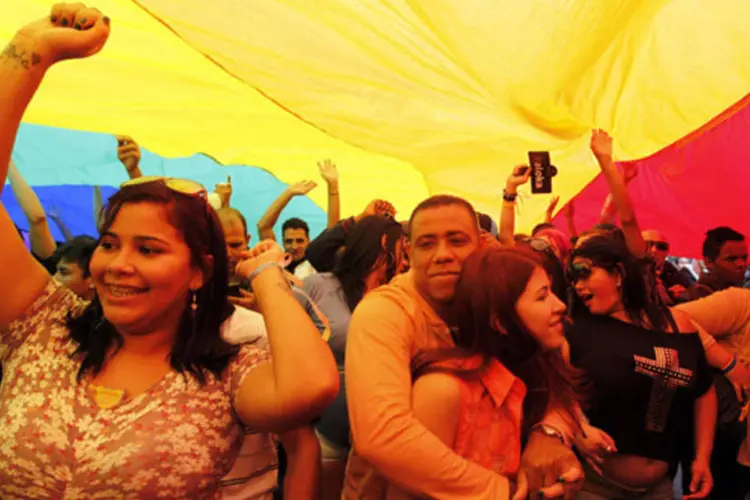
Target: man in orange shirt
[[389, 327]]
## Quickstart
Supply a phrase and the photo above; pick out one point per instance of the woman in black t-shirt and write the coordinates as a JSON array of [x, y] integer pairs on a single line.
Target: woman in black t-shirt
[[645, 378]]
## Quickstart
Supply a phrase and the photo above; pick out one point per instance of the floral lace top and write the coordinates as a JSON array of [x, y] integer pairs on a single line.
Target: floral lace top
[[177, 440]]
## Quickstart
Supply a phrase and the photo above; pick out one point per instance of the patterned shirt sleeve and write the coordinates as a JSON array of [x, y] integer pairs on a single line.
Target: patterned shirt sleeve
[[250, 356], [53, 305]]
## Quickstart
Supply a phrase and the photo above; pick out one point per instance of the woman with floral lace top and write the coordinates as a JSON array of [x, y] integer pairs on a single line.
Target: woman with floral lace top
[[135, 395]]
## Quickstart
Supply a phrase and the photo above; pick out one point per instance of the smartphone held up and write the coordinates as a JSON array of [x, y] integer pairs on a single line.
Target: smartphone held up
[[542, 172]]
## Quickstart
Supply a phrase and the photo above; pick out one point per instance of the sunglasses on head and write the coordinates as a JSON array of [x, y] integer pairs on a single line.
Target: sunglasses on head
[[184, 187], [659, 245], [181, 186], [541, 245]]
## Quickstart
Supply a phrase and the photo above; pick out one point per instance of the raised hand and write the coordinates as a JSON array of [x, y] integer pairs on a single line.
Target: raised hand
[[224, 190], [71, 31], [553, 205], [328, 171], [128, 152], [570, 212], [379, 207], [267, 251], [302, 188], [519, 176], [601, 144]]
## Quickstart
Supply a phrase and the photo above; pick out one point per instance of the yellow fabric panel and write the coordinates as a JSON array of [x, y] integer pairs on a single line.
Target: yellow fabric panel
[[150, 84], [462, 89]]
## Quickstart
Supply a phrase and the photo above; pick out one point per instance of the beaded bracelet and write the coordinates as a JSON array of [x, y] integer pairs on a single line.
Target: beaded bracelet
[[509, 197]]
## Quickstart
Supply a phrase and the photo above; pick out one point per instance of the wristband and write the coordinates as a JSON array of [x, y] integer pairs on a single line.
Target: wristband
[[259, 270], [509, 197], [730, 366]]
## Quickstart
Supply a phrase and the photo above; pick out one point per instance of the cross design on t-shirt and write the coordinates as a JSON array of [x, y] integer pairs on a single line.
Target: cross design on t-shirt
[[668, 377]]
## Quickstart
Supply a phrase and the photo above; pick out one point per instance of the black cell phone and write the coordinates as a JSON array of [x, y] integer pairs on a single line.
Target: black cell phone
[[234, 291], [542, 172]]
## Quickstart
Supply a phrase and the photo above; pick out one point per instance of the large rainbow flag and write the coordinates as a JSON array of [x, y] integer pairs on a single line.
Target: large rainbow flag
[[408, 97]]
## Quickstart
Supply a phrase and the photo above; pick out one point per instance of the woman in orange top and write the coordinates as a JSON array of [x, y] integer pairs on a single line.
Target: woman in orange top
[[484, 397]]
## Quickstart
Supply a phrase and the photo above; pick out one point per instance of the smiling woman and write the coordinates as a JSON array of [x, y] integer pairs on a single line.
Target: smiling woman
[[145, 359]]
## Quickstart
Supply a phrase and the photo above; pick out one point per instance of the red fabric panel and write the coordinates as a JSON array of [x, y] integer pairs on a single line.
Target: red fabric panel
[[696, 184]]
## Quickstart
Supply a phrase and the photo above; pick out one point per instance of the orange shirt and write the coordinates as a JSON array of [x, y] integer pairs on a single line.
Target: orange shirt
[[388, 328], [489, 426]]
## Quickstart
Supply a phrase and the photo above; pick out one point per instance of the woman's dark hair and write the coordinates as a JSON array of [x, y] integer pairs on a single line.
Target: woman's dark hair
[[491, 282], [549, 261], [363, 249], [604, 229], [611, 253], [198, 347]]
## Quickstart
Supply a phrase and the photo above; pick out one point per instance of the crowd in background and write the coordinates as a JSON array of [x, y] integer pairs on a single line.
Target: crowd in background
[[441, 356]]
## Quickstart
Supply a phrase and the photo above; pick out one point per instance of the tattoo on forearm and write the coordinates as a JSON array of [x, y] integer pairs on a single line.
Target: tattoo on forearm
[[21, 57]]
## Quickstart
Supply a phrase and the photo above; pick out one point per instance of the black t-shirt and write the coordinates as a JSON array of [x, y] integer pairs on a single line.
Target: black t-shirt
[[645, 382], [50, 263]]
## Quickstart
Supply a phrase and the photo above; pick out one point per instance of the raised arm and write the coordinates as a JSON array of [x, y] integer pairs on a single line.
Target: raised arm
[[321, 252], [302, 379], [129, 154], [23, 64], [609, 210], [55, 216], [42, 243], [98, 206], [385, 429], [518, 177], [601, 146], [330, 175], [269, 219], [224, 192], [551, 209]]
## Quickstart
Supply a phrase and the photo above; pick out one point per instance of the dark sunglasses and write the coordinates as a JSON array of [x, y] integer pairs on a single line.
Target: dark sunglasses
[[577, 271], [659, 245]]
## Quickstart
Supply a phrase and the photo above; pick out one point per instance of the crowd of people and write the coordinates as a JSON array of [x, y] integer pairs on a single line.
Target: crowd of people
[[444, 356]]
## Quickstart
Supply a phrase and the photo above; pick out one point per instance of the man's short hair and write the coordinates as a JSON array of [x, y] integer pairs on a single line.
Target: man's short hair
[[295, 223], [441, 200], [716, 238], [79, 251], [229, 211]]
